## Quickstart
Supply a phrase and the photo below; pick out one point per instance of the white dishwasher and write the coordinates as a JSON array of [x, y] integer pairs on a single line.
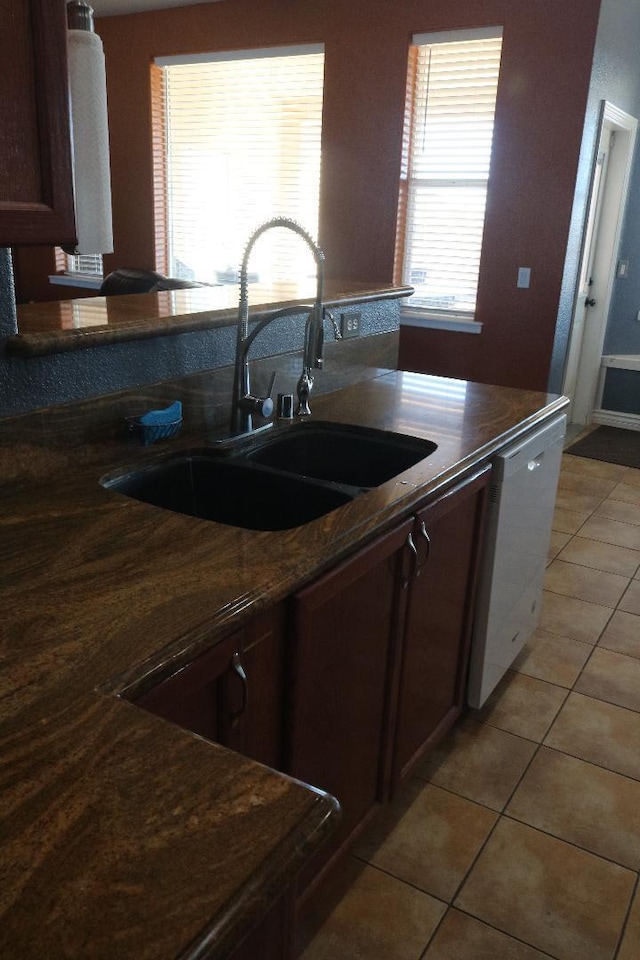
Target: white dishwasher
[[522, 497]]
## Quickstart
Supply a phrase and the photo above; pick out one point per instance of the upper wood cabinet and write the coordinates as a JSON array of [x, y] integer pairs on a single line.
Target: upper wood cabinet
[[36, 192]]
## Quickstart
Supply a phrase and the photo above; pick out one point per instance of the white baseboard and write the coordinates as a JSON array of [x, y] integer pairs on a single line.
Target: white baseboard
[[609, 418]]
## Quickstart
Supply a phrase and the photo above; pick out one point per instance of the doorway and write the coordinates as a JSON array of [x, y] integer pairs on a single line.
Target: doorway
[[599, 261]]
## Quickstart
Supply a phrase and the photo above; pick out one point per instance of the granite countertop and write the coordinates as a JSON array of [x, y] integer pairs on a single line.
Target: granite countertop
[[123, 835], [73, 324]]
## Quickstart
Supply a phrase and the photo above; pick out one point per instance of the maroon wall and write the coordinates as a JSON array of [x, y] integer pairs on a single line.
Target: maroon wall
[[547, 54]]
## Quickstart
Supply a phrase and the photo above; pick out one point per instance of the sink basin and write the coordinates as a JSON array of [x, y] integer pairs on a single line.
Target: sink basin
[[296, 475], [234, 492], [357, 456]]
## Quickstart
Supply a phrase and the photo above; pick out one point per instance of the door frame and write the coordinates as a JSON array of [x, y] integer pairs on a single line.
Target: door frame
[[614, 198]]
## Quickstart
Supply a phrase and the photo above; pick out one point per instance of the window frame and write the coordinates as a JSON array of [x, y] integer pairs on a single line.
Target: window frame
[[161, 121], [424, 315], [68, 274]]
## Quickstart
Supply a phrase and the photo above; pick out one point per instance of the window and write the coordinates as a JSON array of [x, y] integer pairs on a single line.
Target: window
[[78, 270], [451, 95], [85, 264], [236, 142]]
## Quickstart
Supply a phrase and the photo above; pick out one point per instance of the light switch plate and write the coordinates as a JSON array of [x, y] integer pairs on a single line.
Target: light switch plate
[[524, 277]]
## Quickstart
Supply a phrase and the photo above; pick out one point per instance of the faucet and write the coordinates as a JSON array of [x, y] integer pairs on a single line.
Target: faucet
[[244, 404]]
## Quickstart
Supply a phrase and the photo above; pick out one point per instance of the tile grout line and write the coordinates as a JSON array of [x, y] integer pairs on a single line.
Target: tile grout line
[[594, 763], [570, 843], [625, 922], [570, 596], [588, 566], [525, 943], [539, 744], [501, 813]]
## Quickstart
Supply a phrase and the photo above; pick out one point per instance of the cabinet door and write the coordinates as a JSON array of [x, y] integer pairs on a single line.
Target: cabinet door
[[232, 694], [438, 621], [342, 649], [36, 199]]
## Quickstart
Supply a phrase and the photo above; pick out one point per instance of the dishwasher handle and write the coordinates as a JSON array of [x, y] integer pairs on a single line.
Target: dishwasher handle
[[520, 455]]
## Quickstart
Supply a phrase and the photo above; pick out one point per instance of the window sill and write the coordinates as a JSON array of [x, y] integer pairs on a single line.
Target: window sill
[[414, 317], [76, 280]]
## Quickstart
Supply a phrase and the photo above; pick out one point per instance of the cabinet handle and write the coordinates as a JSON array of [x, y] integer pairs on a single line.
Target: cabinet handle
[[236, 666], [427, 539], [414, 563]]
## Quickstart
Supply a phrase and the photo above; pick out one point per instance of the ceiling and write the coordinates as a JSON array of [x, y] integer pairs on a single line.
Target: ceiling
[[108, 8]]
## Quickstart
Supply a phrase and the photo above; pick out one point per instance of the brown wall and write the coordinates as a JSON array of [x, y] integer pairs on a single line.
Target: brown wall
[[547, 55], [31, 269]]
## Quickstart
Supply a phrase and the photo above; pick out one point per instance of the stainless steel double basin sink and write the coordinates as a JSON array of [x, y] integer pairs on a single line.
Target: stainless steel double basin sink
[[294, 475]]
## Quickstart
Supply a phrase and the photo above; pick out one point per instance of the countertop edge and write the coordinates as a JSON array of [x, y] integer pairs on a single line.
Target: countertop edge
[[224, 934], [43, 343]]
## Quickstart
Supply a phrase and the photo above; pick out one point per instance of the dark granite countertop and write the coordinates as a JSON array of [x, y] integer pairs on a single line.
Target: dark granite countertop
[[63, 325], [124, 836]]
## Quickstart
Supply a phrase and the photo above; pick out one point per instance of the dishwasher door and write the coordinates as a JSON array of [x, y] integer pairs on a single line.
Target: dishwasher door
[[521, 504]]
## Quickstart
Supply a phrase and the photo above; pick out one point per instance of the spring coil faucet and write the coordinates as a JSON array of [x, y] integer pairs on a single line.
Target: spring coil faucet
[[243, 403]]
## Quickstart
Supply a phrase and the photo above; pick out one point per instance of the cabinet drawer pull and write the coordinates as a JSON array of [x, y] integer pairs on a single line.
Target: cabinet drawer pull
[[427, 539], [236, 666], [413, 564]]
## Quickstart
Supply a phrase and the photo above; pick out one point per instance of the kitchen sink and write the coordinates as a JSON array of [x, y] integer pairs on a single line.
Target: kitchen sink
[[358, 456], [296, 475], [233, 492]]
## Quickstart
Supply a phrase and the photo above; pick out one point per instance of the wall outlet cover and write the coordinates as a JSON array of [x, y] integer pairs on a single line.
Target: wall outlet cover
[[350, 325]]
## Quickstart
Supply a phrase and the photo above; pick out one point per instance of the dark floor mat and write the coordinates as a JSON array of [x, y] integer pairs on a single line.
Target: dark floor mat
[[611, 444]]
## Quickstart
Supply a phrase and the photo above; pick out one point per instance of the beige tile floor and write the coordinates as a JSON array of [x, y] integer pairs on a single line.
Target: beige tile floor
[[519, 839]]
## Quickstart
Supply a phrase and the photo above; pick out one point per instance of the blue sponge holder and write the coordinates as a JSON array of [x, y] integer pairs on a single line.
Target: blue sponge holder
[[157, 425]]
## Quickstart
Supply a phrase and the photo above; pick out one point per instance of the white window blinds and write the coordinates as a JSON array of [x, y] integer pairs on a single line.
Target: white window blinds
[[84, 264], [453, 85], [242, 145]]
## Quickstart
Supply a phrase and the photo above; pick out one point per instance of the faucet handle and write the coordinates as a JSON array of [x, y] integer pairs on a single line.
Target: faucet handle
[[305, 383], [267, 403], [260, 405]]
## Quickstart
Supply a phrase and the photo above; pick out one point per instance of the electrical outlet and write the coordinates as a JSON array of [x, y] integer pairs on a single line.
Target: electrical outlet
[[350, 325]]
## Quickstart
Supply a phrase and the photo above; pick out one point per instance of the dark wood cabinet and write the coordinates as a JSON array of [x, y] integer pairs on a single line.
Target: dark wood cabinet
[[344, 627], [380, 654], [350, 681], [232, 694], [36, 194], [438, 621], [272, 939]]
